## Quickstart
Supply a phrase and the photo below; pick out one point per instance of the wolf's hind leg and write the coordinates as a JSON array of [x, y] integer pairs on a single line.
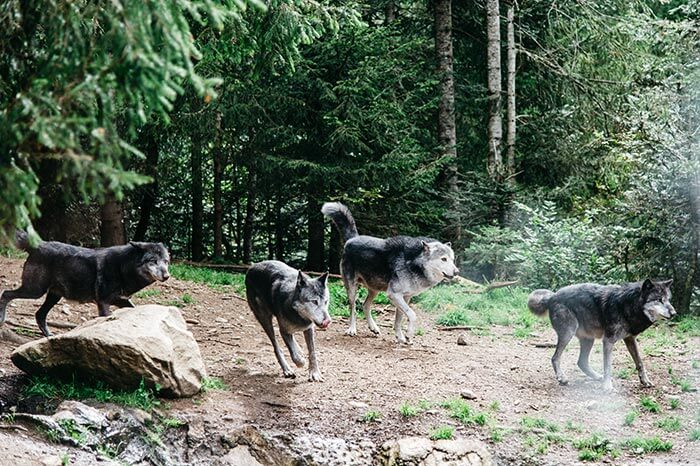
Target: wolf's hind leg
[[51, 300], [351, 288], [633, 348], [586, 345], [367, 309], [294, 350], [565, 324], [397, 299], [28, 290]]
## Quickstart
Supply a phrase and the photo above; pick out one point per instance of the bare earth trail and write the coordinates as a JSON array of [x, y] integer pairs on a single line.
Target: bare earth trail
[[366, 373]]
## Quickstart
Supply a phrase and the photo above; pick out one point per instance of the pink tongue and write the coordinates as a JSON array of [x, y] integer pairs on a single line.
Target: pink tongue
[[326, 323]]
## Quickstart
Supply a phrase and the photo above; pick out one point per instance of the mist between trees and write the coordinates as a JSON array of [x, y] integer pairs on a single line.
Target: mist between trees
[[552, 142]]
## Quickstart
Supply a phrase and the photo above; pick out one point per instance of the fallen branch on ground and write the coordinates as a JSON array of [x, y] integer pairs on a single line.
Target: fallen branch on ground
[[242, 268], [480, 288], [462, 327]]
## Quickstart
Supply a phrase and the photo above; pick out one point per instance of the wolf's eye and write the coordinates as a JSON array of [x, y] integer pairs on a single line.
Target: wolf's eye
[[444, 259], [314, 302]]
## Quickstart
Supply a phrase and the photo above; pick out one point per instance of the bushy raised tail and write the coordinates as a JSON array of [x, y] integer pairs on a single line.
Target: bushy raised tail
[[341, 216], [538, 301]]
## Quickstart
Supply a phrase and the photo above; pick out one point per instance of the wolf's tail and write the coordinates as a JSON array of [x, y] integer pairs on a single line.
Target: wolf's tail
[[341, 216], [538, 301], [22, 240]]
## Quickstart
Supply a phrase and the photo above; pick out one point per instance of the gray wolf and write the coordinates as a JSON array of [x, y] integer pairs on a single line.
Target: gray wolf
[[297, 301], [610, 312], [402, 266], [105, 276]]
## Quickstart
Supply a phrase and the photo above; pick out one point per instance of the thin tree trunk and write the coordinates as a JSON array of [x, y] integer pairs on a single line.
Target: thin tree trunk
[[112, 226], [334, 250], [197, 201], [389, 12], [493, 59], [315, 236], [218, 208], [510, 92], [249, 217], [279, 229], [150, 191], [447, 133]]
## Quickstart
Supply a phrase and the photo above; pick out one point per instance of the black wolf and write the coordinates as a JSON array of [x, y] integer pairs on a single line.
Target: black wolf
[[402, 266], [105, 276], [297, 301], [612, 312]]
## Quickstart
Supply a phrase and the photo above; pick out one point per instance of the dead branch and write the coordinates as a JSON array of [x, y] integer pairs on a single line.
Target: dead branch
[[544, 345], [461, 327]]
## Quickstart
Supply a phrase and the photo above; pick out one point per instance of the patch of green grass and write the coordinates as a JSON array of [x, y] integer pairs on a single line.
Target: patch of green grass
[[695, 364], [495, 406], [593, 448], [530, 423], [574, 426], [12, 253], [460, 410], [674, 403], [213, 383], [215, 279], [640, 445], [649, 404], [74, 431], [420, 332], [498, 434], [339, 305], [684, 384], [371, 416], [45, 387], [538, 444], [7, 418], [65, 459], [187, 299], [25, 331], [408, 410], [502, 306], [670, 424], [148, 293], [172, 422], [442, 433], [688, 325], [624, 373], [694, 435], [630, 418], [107, 451]]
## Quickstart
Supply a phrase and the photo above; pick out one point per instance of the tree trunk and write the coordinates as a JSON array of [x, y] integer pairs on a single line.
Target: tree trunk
[[249, 217], [150, 191], [218, 208], [447, 134], [279, 229], [197, 201], [335, 249], [315, 237], [510, 93], [112, 224], [389, 12], [493, 60]]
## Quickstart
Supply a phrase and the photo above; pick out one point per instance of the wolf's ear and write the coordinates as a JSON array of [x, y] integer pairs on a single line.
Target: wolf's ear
[[137, 245], [426, 246], [647, 286], [667, 283], [449, 244], [301, 280], [324, 279]]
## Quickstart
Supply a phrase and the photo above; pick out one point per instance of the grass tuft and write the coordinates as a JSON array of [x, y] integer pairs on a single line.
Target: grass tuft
[[213, 383], [650, 404], [640, 445], [442, 433]]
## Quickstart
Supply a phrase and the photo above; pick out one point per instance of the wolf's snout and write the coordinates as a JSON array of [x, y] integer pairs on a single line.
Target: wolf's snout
[[166, 275], [326, 322]]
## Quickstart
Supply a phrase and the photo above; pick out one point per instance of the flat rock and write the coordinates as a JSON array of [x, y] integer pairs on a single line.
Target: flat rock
[[419, 451]]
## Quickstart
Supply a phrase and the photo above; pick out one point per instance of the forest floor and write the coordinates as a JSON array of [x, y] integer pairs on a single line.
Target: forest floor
[[376, 390]]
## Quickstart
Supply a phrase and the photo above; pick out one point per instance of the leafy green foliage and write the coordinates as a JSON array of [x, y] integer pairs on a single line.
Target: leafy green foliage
[[371, 416], [464, 413], [649, 404], [442, 433], [593, 448], [641, 445], [212, 383], [46, 387]]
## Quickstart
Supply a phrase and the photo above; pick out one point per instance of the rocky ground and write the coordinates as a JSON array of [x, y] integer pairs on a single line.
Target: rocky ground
[[530, 419]]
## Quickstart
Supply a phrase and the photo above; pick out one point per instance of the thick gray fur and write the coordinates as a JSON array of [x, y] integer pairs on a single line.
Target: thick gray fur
[[610, 312], [105, 276], [297, 301], [402, 266]]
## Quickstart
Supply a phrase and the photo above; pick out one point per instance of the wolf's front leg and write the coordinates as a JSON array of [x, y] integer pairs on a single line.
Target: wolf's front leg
[[314, 371], [607, 363], [633, 348], [398, 300], [294, 350]]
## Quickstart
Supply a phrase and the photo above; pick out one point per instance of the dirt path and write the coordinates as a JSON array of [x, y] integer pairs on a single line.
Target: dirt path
[[510, 378]]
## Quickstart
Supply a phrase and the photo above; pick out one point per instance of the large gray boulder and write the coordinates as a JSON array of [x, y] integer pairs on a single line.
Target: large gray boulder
[[420, 451], [146, 342]]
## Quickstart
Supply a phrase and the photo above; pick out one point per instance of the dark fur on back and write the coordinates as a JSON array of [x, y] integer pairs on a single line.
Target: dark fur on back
[[609, 312], [106, 276]]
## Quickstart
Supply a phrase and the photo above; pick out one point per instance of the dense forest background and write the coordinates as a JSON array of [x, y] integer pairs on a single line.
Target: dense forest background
[[550, 141]]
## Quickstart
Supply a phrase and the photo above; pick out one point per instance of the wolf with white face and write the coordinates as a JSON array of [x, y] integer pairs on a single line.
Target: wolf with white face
[[402, 266], [154, 261], [657, 300], [298, 302]]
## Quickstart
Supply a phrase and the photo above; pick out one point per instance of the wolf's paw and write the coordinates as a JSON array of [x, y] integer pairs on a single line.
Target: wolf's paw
[[351, 331], [315, 376], [563, 381], [646, 383], [607, 386], [375, 330], [289, 374]]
